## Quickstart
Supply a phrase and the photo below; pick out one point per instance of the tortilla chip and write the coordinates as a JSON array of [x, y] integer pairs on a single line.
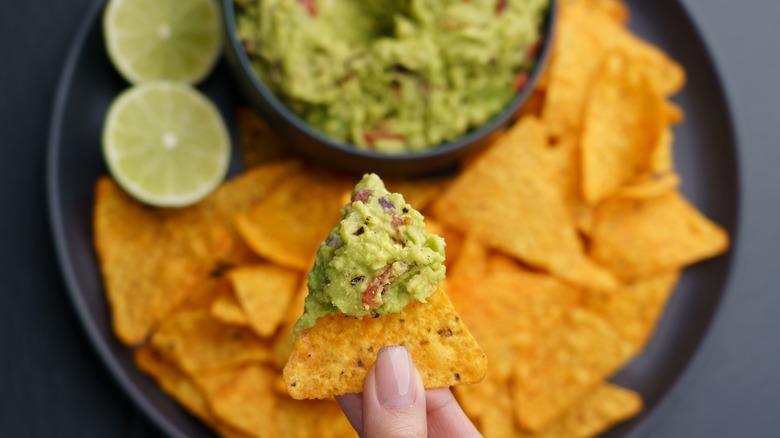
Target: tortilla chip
[[259, 143], [242, 397], [505, 199], [533, 105], [151, 259], [227, 309], [283, 344], [577, 55], [563, 158], [333, 357], [556, 371], [594, 413], [177, 384], [674, 113], [583, 37], [650, 186], [523, 306], [622, 124], [418, 193], [662, 157], [310, 419], [195, 341], [183, 389], [635, 310], [634, 238], [264, 291], [615, 10], [288, 225]]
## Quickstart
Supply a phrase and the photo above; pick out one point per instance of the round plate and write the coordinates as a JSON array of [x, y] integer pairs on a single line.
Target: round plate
[[705, 153]]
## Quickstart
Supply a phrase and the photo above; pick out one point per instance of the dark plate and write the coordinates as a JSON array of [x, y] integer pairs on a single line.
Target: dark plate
[[705, 153]]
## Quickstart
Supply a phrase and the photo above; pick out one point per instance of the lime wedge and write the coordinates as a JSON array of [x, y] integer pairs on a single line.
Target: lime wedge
[[166, 144], [173, 40]]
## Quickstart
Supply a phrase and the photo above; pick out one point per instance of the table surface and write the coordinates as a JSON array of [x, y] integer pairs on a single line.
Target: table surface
[[52, 383]]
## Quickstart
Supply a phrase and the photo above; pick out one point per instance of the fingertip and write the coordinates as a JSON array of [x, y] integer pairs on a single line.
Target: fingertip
[[352, 405]]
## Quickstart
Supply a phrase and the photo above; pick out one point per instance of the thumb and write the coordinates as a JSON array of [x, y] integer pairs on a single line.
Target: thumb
[[393, 397]]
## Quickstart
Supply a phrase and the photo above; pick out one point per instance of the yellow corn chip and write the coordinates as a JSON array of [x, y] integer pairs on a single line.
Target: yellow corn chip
[[521, 308], [264, 291], [577, 55], [585, 34], [533, 105], [615, 10], [505, 199], [288, 225], [603, 407], [622, 126], [662, 158], [283, 344], [640, 237], [259, 143], [674, 113], [650, 186], [574, 358], [418, 193], [227, 310], [310, 419], [179, 386], [333, 357], [195, 341], [242, 397], [634, 310], [151, 259], [173, 382]]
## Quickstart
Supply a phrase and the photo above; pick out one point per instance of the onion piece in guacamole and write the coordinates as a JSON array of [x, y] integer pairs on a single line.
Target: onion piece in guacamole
[[393, 75], [376, 260]]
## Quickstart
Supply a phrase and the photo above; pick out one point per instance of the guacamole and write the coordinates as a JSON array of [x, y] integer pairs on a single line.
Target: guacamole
[[393, 75], [376, 260]]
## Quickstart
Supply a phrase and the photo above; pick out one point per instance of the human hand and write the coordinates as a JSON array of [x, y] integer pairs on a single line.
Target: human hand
[[394, 403]]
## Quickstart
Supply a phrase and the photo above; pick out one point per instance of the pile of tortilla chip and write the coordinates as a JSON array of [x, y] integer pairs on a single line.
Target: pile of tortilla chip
[[565, 239]]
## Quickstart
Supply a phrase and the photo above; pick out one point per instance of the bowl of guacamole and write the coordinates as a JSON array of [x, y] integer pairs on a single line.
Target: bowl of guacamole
[[394, 86]]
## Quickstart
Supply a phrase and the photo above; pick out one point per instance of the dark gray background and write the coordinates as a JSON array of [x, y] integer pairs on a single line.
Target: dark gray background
[[53, 384]]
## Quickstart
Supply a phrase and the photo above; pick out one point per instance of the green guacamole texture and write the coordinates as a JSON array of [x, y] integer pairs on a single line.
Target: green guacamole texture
[[393, 75], [376, 260]]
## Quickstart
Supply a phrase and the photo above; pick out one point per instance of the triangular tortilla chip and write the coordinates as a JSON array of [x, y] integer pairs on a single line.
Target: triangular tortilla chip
[[310, 419], [333, 357], [622, 124], [594, 413], [289, 224], [634, 238], [228, 310], [264, 291], [151, 258], [196, 341], [242, 397], [583, 36], [573, 359], [505, 199], [634, 310], [182, 388]]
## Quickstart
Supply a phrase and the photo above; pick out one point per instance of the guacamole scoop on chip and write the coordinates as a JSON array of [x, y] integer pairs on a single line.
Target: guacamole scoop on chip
[[376, 260]]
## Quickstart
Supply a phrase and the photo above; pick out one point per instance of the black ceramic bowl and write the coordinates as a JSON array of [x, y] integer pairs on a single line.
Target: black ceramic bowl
[[324, 149]]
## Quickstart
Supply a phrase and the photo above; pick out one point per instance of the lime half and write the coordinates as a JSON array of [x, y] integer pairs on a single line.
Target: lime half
[[166, 144], [173, 40]]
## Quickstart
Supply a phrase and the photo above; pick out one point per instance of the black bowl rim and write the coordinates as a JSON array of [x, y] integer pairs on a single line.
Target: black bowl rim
[[469, 138]]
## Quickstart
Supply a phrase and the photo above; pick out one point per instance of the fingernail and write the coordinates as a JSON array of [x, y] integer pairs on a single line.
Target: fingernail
[[394, 377]]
